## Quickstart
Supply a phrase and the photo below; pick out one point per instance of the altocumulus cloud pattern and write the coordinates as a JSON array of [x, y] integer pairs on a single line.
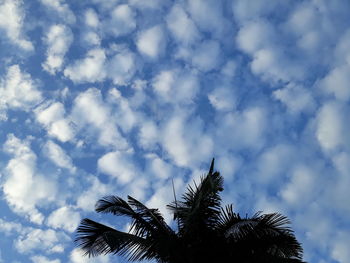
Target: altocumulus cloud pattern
[[119, 97]]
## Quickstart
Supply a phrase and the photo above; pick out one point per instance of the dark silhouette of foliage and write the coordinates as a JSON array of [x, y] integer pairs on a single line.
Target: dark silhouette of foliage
[[207, 232]]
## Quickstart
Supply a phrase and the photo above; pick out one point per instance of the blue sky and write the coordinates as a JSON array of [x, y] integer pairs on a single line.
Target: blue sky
[[119, 97]]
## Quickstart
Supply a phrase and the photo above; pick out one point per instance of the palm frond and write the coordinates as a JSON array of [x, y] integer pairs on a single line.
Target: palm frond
[[267, 233], [200, 205], [98, 239], [146, 222], [152, 216], [115, 205]]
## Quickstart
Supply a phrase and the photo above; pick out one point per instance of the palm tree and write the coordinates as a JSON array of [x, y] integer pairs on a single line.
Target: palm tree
[[206, 231]]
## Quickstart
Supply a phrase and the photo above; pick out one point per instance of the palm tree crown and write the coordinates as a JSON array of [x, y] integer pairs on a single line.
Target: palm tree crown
[[206, 231]]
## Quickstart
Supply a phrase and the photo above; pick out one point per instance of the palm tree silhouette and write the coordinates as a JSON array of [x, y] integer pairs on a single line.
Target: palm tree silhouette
[[206, 231]]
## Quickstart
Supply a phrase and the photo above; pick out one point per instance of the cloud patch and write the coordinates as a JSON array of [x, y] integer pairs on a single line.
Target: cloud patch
[[18, 90], [12, 21], [89, 69], [58, 156], [61, 8], [24, 189], [58, 39], [52, 117], [152, 42], [58, 219]]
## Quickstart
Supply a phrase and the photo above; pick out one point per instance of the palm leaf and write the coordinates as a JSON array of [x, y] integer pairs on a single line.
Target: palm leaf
[[97, 239], [152, 216], [146, 223], [267, 233], [201, 204], [115, 205]]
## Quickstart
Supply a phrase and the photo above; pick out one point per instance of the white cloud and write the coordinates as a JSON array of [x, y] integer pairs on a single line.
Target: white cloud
[[245, 10], [105, 6], [61, 8], [266, 62], [259, 39], [175, 143], [207, 56], [24, 189], [90, 108], [48, 241], [185, 141], [91, 36], [341, 52], [340, 250], [122, 20], [58, 39], [339, 192], [42, 259], [119, 165], [160, 168], [274, 162], [62, 130], [341, 162], [316, 224], [306, 23], [65, 218], [330, 131], [18, 90], [52, 117], [301, 188], [58, 156], [304, 18], [228, 165], [138, 188], [9, 227], [164, 195], [163, 83], [76, 256], [122, 67], [337, 82], [123, 112], [208, 15], [91, 18], [187, 87], [176, 86], [229, 69], [89, 69], [152, 42], [181, 26], [91, 112], [296, 98], [222, 99], [246, 129], [91, 39], [254, 36], [51, 113], [151, 4], [273, 65], [12, 21], [87, 199], [148, 134]]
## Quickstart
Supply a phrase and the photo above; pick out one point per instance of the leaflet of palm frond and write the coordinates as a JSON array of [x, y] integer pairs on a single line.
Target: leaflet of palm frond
[[211, 169]]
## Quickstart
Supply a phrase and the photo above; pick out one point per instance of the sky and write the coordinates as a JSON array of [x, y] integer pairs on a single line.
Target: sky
[[123, 96]]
